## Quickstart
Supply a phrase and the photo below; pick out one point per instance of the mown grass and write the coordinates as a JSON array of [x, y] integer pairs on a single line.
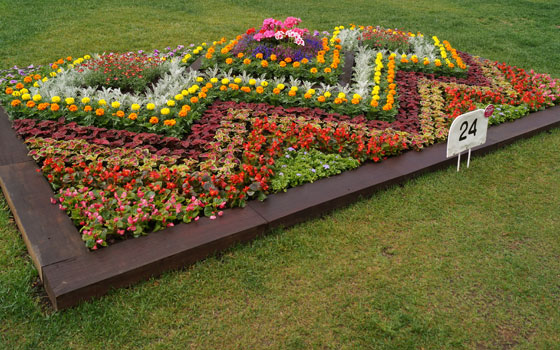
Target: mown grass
[[447, 261]]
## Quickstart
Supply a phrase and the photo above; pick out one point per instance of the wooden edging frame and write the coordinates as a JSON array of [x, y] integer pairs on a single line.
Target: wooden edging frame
[[71, 273]]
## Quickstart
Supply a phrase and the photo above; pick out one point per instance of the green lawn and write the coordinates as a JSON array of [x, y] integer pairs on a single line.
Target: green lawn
[[451, 260]]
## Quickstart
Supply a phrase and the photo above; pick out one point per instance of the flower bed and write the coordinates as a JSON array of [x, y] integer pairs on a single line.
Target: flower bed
[[132, 155]]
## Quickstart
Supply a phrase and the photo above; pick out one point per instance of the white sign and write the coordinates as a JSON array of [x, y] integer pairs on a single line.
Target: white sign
[[467, 131]]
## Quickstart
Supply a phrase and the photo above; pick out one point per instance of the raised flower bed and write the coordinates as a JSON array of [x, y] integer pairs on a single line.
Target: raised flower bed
[[134, 143]]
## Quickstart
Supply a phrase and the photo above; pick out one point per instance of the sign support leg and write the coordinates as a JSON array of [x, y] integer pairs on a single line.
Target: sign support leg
[[458, 161], [469, 158]]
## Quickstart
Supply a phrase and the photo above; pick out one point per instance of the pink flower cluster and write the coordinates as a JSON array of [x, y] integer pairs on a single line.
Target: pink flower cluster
[[279, 30]]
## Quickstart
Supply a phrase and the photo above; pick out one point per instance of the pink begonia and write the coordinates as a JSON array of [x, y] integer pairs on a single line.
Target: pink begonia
[[291, 22]]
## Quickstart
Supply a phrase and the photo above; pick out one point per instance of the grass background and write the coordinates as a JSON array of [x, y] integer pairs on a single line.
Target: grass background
[[450, 260]]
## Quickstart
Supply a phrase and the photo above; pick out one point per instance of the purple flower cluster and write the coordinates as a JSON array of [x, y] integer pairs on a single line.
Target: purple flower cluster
[[249, 46]]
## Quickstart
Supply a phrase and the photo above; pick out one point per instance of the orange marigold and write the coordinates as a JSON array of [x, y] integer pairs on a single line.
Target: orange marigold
[[132, 116], [273, 57], [37, 76], [30, 104], [186, 108], [223, 88], [72, 108], [321, 99], [154, 120], [246, 61], [229, 60], [327, 70], [9, 90], [304, 61], [194, 99], [43, 106], [259, 56], [355, 101], [276, 91], [337, 101], [120, 114], [291, 93], [374, 103], [240, 55], [296, 64], [27, 80], [169, 122], [282, 64], [55, 107], [288, 59], [99, 112], [19, 86], [182, 113], [264, 63], [313, 70], [88, 108], [259, 89]]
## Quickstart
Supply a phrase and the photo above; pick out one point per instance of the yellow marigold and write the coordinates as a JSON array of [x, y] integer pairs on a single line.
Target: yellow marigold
[[86, 100], [150, 106], [101, 102], [26, 97], [164, 111], [55, 99], [135, 106], [154, 120], [171, 103]]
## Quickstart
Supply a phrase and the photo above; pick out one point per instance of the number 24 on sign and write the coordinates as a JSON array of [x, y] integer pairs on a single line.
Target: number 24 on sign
[[467, 131]]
